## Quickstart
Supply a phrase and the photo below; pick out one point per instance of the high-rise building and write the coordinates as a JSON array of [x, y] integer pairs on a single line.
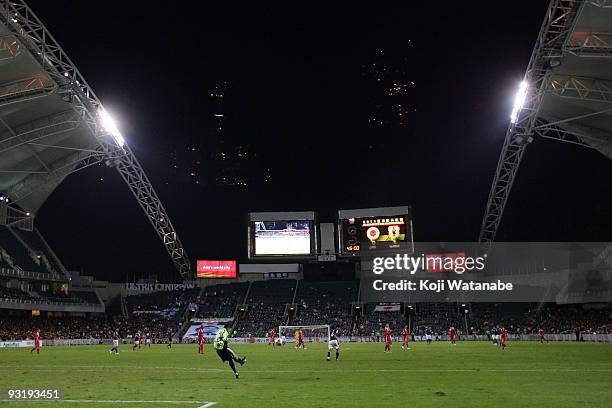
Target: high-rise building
[[221, 154], [390, 83]]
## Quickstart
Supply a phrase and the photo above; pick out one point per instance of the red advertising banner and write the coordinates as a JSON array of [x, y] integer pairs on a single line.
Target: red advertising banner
[[446, 262], [216, 269]]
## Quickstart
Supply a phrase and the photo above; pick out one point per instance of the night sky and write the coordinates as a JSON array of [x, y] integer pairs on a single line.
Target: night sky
[[299, 92]]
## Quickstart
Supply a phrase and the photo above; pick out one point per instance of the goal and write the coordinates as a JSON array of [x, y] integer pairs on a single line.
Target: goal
[[312, 334]]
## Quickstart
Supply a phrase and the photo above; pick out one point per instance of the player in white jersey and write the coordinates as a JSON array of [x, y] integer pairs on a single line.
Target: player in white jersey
[[115, 343], [333, 344]]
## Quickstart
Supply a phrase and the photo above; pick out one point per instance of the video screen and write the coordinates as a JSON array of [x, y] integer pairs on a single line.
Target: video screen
[[274, 238], [375, 233], [216, 269]]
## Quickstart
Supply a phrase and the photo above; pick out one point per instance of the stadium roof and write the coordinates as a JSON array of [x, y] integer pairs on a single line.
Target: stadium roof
[[42, 138], [52, 124], [568, 96], [579, 95]]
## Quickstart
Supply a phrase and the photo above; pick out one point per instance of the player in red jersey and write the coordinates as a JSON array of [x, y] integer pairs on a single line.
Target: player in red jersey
[[272, 335], [542, 337], [201, 339], [452, 333], [387, 334], [504, 337], [405, 334], [36, 342]]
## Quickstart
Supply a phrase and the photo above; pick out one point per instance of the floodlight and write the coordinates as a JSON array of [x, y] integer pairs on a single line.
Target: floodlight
[[519, 101], [109, 124]]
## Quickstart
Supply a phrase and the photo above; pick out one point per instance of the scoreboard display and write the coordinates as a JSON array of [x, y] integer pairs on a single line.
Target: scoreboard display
[[287, 237], [362, 234], [282, 234]]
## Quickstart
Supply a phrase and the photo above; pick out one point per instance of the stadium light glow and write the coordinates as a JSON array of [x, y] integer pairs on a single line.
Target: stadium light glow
[[109, 124], [519, 101]]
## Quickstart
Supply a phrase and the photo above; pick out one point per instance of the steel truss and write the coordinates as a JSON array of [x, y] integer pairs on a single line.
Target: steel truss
[[575, 134], [554, 33], [9, 47], [583, 88], [73, 88], [591, 44]]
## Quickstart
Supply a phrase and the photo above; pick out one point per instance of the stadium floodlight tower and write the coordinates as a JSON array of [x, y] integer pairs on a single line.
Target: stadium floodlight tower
[[54, 125], [566, 95]]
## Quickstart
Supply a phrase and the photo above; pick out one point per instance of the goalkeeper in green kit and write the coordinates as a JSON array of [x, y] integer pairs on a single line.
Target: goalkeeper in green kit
[[224, 352]]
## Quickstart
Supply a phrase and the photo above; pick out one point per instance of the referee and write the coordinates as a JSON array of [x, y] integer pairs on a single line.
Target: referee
[[225, 353]]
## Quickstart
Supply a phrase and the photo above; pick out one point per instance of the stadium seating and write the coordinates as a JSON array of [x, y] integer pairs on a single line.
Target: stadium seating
[[516, 317], [565, 319], [71, 297], [221, 300], [272, 291], [266, 307], [315, 303], [325, 303], [14, 294], [158, 301], [375, 323], [87, 297], [20, 328], [436, 316], [36, 243], [49, 295], [20, 255]]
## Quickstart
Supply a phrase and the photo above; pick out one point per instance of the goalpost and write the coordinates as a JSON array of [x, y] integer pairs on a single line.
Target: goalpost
[[312, 333]]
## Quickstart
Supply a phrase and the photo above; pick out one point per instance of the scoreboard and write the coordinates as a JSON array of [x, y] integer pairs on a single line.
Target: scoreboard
[[282, 234], [376, 229]]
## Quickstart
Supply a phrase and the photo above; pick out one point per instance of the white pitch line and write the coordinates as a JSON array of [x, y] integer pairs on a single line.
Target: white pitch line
[[207, 404], [331, 371]]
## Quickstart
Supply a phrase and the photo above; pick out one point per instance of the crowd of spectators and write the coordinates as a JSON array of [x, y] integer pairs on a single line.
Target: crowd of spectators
[[14, 294], [103, 327], [565, 319], [316, 303], [257, 319], [374, 323], [58, 296], [159, 301], [325, 303], [219, 301]]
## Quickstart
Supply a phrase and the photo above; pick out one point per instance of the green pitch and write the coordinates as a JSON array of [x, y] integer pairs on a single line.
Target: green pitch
[[527, 374]]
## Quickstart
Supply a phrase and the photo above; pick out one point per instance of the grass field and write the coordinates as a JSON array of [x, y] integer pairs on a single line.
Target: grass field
[[471, 374]]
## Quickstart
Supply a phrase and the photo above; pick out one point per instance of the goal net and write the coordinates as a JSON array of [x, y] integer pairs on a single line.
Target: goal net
[[312, 334]]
